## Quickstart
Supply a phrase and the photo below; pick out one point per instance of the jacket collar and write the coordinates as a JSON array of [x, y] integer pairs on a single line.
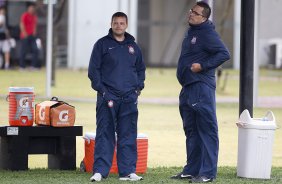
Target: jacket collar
[[205, 25], [128, 37]]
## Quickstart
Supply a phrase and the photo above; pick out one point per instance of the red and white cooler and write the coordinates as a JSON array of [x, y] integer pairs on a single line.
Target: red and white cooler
[[21, 106], [142, 154]]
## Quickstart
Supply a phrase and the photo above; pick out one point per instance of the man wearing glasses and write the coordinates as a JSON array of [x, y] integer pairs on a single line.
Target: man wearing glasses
[[202, 52]]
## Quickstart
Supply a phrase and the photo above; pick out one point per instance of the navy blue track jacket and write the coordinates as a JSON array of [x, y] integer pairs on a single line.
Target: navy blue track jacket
[[201, 45], [116, 68]]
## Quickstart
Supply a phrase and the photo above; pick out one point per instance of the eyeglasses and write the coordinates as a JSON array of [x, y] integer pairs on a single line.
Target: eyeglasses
[[195, 13]]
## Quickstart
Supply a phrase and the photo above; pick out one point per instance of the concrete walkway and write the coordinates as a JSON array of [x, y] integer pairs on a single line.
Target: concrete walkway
[[267, 102]]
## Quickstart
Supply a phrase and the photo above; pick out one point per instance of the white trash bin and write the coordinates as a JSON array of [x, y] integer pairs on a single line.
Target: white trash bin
[[255, 142]]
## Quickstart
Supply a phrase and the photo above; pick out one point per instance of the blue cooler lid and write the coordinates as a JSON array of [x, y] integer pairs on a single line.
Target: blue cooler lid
[[21, 89], [142, 136]]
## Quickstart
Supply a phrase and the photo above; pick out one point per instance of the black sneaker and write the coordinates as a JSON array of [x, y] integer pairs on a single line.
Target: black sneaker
[[181, 176], [201, 179]]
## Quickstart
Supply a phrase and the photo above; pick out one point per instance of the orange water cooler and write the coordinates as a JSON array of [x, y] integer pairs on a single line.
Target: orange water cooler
[[21, 106], [142, 154]]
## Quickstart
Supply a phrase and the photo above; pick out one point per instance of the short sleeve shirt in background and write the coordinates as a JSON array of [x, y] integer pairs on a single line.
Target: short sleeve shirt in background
[[29, 21]]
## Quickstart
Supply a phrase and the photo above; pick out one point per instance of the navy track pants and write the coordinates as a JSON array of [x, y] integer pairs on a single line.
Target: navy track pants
[[198, 112], [122, 119]]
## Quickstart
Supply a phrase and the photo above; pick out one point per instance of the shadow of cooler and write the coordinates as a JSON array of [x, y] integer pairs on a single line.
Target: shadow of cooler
[[89, 147], [255, 142]]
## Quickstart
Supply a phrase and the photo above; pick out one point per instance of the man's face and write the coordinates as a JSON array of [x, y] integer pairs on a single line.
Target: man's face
[[195, 15], [119, 25], [31, 9], [2, 11]]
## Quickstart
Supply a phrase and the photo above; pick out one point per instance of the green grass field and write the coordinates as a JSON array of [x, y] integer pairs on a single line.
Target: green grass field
[[159, 83], [161, 175], [161, 123]]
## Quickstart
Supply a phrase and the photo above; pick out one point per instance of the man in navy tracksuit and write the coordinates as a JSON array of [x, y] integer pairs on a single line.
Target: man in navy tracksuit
[[117, 73], [202, 52]]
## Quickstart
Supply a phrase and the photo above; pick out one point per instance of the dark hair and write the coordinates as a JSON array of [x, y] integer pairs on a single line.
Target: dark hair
[[207, 9], [119, 14], [31, 4]]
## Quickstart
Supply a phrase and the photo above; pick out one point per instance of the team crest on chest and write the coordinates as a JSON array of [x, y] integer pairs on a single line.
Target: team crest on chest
[[131, 49], [110, 103], [194, 40]]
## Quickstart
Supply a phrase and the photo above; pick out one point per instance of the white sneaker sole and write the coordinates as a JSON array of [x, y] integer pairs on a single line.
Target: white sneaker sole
[[130, 179], [93, 180]]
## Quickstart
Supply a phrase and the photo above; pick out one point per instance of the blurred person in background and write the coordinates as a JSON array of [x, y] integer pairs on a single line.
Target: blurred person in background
[[202, 52], [5, 42], [28, 24], [117, 73]]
